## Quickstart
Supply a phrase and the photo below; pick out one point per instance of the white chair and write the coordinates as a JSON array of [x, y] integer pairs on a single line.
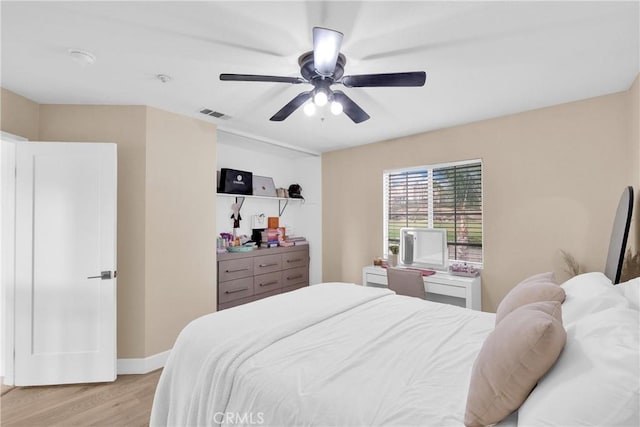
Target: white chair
[[406, 282]]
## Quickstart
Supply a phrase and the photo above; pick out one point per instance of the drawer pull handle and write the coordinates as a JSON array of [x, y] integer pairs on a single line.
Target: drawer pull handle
[[268, 265], [237, 290], [294, 260], [269, 283], [299, 276], [236, 271]]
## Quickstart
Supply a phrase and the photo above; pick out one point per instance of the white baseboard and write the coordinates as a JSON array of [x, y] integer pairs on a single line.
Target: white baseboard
[[142, 366]]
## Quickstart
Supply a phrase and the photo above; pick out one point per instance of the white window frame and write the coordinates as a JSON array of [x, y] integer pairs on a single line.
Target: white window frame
[[429, 168]]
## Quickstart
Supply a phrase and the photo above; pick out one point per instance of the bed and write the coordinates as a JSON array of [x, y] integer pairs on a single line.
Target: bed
[[342, 354], [339, 354]]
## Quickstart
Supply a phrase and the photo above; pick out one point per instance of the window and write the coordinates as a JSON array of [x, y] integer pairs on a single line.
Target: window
[[445, 196]]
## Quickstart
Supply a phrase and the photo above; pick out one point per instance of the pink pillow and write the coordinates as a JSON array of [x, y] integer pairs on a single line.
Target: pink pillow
[[541, 277], [541, 287], [512, 359]]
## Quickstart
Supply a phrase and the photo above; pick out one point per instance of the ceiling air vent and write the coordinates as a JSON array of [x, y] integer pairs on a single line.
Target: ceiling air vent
[[216, 114]]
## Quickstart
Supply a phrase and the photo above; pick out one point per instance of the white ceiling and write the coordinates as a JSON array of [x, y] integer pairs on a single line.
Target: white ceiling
[[483, 59]]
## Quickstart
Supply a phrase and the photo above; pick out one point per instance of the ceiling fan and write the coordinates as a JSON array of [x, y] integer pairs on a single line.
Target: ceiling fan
[[324, 67]]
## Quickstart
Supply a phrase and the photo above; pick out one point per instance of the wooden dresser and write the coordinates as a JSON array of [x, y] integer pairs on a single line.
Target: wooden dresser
[[249, 276]]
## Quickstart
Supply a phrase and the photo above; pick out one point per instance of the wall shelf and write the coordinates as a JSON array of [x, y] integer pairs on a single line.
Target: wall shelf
[[240, 199]]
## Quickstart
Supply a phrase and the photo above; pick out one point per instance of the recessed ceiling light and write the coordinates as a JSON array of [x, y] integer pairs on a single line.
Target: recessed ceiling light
[[82, 56], [163, 78]]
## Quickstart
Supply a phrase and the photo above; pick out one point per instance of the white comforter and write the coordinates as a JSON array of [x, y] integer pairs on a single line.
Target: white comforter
[[330, 354]]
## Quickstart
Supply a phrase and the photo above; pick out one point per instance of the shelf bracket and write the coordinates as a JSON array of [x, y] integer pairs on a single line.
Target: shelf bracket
[[282, 208]]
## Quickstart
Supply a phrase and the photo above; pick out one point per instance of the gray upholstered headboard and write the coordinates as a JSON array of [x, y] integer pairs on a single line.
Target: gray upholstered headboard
[[619, 235]]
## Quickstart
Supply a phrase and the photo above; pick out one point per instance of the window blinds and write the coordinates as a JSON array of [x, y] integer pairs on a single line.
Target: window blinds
[[408, 202], [457, 207]]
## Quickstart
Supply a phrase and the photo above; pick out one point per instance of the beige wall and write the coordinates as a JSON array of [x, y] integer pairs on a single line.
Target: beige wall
[[166, 209], [180, 225], [126, 126], [18, 115], [552, 178]]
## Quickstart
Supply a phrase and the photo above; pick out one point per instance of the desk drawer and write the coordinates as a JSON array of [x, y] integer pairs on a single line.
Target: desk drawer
[[295, 276], [378, 279], [235, 289], [267, 264], [452, 291], [295, 259], [235, 269], [267, 282]]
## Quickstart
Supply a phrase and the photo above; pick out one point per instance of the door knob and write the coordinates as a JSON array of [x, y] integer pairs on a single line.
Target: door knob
[[104, 275]]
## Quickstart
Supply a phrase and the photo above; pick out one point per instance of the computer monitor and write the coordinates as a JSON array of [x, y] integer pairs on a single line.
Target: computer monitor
[[424, 248]]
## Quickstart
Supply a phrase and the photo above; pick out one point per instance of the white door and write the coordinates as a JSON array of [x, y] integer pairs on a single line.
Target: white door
[[65, 262]]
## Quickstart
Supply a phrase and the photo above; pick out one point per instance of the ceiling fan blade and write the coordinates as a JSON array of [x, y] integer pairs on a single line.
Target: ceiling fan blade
[[350, 108], [292, 106], [411, 79], [259, 78], [326, 48]]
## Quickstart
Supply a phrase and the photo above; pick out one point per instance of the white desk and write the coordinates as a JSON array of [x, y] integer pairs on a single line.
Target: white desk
[[440, 287]]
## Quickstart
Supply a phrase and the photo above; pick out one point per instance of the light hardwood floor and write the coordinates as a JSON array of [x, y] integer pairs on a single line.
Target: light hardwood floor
[[125, 402]]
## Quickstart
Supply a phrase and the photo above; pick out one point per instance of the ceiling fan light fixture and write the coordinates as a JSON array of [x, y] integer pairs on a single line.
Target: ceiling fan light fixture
[[310, 109], [326, 48], [324, 67], [320, 98], [336, 108]]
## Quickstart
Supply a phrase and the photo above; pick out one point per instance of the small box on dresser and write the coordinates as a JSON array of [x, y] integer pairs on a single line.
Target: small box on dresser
[[249, 276]]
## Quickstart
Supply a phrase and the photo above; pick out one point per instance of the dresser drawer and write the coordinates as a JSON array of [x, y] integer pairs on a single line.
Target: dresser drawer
[[234, 303], [235, 269], [235, 289], [294, 287], [266, 294], [267, 282], [250, 276], [295, 276], [295, 259], [267, 264]]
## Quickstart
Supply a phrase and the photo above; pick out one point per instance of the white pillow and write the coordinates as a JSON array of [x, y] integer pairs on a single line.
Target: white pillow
[[631, 291], [587, 294], [596, 380], [587, 284]]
